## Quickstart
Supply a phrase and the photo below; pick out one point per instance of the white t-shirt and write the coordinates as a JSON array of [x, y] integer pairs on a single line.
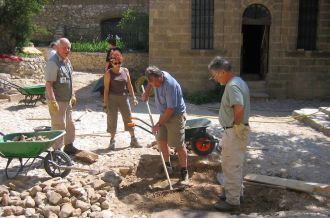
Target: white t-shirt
[[51, 52]]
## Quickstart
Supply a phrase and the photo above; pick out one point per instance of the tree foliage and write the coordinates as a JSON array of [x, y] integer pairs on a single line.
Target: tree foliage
[[133, 21], [16, 24]]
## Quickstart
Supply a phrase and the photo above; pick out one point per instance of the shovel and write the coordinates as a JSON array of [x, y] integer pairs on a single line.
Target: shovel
[[160, 151]]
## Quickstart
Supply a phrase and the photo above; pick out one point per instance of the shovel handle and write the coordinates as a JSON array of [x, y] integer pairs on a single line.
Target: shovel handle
[[160, 151], [149, 111]]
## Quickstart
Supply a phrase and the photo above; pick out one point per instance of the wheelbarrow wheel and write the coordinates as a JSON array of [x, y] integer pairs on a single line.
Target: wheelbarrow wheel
[[203, 144], [53, 162]]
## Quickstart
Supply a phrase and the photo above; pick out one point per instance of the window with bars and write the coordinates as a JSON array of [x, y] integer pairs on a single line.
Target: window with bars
[[307, 24], [202, 24]]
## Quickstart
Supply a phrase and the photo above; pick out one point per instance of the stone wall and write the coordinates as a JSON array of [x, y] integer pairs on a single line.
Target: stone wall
[[136, 62], [81, 19], [29, 68], [297, 73], [291, 73]]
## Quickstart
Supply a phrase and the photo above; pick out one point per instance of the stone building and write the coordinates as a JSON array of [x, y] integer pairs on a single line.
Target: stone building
[[85, 19], [281, 47]]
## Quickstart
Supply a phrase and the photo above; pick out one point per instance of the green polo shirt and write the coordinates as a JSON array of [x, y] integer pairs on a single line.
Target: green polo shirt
[[236, 93]]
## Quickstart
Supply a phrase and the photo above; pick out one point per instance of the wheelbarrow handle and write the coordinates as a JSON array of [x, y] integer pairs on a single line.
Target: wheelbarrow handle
[[141, 127], [135, 118]]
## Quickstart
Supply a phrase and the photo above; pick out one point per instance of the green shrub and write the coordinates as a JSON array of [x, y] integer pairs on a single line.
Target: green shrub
[[95, 46], [205, 96]]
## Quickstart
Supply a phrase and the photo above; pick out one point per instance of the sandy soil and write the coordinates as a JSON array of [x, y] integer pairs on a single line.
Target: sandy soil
[[280, 146]]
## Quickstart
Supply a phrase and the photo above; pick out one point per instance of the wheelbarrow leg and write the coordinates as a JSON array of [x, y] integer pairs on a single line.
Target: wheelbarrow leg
[[18, 171]]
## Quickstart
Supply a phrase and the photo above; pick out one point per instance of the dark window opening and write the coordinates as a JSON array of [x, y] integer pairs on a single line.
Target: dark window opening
[[307, 24], [132, 40], [202, 24]]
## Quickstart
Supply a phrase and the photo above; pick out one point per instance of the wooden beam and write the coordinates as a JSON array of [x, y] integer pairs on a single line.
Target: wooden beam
[[289, 183]]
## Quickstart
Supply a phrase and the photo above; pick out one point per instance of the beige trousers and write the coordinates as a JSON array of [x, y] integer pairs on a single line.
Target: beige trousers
[[232, 161], [63, 121]]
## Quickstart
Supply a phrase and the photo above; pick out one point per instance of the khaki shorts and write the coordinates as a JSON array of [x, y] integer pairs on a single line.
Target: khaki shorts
[[173, 131]]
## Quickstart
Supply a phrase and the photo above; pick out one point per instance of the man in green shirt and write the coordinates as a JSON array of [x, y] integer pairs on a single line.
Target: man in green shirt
[[234, 117]]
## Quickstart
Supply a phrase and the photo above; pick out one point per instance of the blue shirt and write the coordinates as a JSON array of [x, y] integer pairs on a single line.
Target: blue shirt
[[169, 95]]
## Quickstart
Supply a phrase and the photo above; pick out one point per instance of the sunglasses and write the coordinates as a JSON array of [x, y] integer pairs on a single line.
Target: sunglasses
[[116, 63]]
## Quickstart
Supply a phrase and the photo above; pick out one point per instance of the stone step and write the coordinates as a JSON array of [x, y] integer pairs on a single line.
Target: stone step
[[314, 118], [259, 95], [257, 86], [325, 110], [258, 89]]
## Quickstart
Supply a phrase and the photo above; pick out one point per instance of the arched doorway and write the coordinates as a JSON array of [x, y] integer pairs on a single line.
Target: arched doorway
[[255, 42]]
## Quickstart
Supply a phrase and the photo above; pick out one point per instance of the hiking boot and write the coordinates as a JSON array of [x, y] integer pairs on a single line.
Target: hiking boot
[[222, 197], [112, 145], [184, 177], [70, 149], [223, 206], [135, 143]]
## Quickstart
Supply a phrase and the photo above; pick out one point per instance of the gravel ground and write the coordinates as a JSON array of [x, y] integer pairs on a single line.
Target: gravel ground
[[280, 146]]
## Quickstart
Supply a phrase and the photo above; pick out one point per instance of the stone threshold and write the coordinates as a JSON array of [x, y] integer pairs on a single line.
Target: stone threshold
[[314, 118]]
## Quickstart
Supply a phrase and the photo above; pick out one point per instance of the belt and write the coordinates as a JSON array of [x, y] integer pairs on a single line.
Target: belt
[[229, 127]]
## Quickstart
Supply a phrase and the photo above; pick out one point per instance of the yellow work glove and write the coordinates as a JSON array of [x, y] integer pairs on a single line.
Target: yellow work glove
[[53, 106], [241, 131], [135, 101], [73, 101], [105, 108]]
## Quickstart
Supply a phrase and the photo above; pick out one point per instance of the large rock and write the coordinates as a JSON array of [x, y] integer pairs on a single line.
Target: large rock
[[3, 190], [82, 205], [12, 210], [40, 199], [53, 197], [34, 190], [102, 214], [62, 190], [66, 210], [5, 199], [98, 184], [49, 210], [29, 212], [29, 202], [112, 177]]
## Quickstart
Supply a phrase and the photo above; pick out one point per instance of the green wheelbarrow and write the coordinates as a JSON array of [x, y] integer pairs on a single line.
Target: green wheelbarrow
[[32, 94], [56, 162]]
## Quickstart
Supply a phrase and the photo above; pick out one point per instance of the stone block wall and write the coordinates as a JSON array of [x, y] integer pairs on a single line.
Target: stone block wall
[[29, 68], [291, 73], [296, 73], [81, 19], [136, 62], [170, 43]]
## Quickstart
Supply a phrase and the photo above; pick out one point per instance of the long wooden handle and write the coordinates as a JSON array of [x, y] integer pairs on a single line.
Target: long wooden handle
[[160, 151]]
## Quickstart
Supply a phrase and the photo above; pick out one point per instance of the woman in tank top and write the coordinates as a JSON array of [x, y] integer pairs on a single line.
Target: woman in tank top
[[117, 87]]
